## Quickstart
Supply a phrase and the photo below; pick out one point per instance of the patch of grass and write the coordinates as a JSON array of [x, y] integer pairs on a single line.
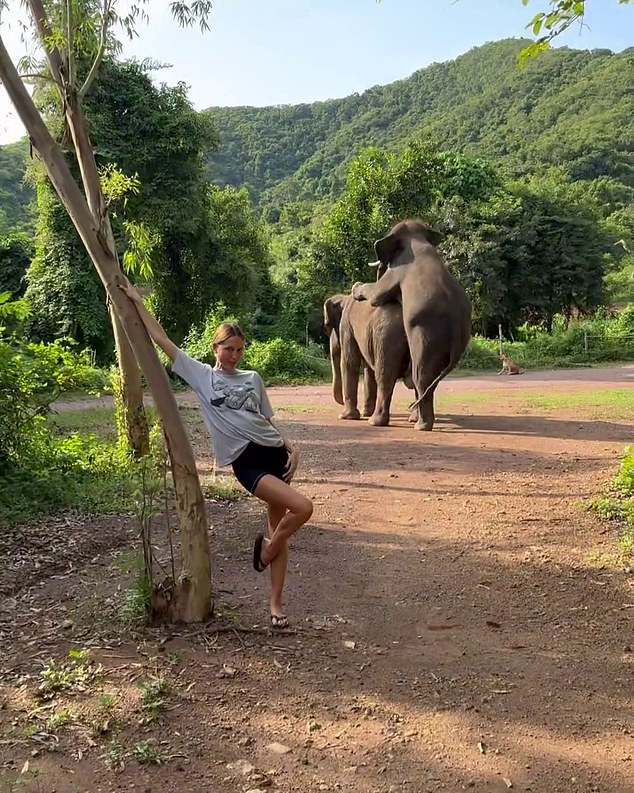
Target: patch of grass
[[618, 505], [98, 421], [136, 600], [148, 753], [84, 472], [79, 672], [101, 723], [114, 755], [615, 403], [230, 615], [30, 729], [59, 719], [619, 400], [221, 488], [154, 693]]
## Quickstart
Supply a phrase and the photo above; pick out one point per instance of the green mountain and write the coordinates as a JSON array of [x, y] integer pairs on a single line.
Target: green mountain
[[568, 108], [572, 109]]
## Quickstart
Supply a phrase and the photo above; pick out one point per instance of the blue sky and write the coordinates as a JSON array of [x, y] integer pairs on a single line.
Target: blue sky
[[264, 52]]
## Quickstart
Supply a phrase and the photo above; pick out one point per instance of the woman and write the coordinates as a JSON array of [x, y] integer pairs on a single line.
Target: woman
[[238, 415]]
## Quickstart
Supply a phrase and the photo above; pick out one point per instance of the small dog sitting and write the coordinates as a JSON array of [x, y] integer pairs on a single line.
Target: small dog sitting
[[508, 365]]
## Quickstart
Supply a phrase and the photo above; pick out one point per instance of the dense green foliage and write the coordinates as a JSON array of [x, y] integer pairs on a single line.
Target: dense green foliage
[[16, 252], [524, 250], [64, 290], [569, 343], [39, 469], [282, 361], [16, 195]]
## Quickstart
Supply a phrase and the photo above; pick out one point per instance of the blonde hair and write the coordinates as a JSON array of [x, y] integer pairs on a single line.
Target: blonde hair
[[225, 331]]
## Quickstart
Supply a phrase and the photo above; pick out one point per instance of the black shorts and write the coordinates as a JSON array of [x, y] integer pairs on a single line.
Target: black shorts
[[256, 461]]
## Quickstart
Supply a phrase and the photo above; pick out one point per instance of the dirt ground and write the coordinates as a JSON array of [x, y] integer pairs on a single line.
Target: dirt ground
[[457, 623]]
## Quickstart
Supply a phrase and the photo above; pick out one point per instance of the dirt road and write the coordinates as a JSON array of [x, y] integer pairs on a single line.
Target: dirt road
[[455, 623]]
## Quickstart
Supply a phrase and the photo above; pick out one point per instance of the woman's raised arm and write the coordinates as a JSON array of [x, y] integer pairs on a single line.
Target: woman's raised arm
[[152, 325]]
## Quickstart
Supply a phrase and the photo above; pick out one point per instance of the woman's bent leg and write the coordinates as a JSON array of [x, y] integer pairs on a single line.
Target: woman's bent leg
[[297, 510], [279, 564]]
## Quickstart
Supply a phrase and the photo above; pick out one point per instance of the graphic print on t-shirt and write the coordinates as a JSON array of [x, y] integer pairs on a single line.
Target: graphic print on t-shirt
[[237, 397]]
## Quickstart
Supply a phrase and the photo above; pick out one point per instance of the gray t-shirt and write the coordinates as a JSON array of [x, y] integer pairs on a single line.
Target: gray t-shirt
[[235, 406]]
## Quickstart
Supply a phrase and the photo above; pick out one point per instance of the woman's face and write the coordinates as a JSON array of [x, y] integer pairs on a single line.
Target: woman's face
[[229, 353]]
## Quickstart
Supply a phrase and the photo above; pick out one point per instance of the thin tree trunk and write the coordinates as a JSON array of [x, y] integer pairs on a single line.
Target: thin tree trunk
[[130, 393], [191, 600]]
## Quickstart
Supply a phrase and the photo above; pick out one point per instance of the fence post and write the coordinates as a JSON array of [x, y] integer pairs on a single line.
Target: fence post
[[585, 340], [500, 337]]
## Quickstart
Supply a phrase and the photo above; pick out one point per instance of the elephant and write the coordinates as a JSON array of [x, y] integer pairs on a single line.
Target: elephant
[[436, 308], [375, 337]]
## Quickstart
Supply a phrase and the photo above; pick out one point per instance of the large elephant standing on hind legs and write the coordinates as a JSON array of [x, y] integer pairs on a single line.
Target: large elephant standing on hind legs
[[436, 309], [362, 335]]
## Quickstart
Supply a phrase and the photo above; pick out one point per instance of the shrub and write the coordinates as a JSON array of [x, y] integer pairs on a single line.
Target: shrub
[[481, 354], [280, 361], [198, 341], [40, 471], [618, 503]]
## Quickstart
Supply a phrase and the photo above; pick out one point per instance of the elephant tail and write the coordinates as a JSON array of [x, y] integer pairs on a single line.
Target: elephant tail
[[454, 356]]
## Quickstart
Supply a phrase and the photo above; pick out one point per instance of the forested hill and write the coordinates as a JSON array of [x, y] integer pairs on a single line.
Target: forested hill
[[15, 195], [573, 108], [570, 108]]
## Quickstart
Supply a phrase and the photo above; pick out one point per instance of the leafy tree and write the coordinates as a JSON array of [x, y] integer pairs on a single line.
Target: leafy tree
[[63, 288], [75, 38], [155, 134], [382, 189], [535, 249]]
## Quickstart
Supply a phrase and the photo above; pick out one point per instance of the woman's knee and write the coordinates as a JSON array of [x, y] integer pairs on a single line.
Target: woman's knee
[[303, 508]]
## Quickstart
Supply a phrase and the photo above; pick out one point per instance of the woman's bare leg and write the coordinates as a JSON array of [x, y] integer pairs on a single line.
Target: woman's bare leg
[[279, 565], [298, 510], [287, 511]]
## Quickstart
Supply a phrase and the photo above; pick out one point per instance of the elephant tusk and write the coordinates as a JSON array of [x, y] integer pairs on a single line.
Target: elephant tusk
[[375, 264]]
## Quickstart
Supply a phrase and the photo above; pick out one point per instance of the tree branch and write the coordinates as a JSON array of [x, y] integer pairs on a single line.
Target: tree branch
[[101, 51], [55, 60], [70, 39]]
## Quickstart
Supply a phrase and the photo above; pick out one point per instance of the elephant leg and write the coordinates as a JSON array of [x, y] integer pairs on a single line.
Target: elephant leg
[[427, 409], [350, 366], [369, 391], [335, 362], [427, 363], [385, 389]]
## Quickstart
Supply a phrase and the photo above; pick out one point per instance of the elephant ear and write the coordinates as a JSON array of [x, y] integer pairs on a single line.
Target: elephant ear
[[387, 248], [333, 308]]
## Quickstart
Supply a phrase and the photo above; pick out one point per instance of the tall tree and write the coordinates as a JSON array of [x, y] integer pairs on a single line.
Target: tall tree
[[380, 190], [59, 28], [153, 133]]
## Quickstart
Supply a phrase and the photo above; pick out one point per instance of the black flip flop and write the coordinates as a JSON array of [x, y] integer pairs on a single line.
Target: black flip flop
[[279, 621], [258, 564]]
